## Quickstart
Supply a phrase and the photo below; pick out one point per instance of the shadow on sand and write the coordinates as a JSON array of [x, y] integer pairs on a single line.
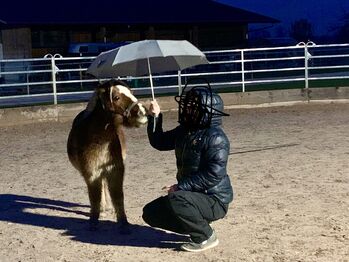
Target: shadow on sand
[[263, 149], [19, 209]]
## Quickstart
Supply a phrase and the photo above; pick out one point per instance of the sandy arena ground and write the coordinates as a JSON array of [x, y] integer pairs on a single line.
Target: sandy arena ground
[[289, 167]]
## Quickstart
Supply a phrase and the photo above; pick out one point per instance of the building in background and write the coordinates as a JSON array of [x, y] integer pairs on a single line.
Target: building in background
[[35, 28]]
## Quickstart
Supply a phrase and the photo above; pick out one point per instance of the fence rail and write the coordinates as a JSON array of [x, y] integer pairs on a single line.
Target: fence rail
[[56, 79]]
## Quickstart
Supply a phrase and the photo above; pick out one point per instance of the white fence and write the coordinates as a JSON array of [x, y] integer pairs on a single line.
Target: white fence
[[56, 79]]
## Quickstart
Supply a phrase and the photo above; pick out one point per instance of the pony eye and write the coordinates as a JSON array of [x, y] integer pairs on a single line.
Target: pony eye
[[116, 98]]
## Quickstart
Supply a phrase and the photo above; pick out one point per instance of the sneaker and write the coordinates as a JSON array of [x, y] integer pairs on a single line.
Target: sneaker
[[198, 247]]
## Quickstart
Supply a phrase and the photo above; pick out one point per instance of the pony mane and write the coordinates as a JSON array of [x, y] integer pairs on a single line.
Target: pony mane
[[94, 100]]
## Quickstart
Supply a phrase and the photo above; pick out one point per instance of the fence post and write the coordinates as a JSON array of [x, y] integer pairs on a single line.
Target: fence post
[[54, 86], [306, 58], [242, 71], [27, 78], [54, 71]]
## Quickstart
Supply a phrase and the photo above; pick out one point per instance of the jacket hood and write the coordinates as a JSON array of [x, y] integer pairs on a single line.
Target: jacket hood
[[213, 106], [200, 108]]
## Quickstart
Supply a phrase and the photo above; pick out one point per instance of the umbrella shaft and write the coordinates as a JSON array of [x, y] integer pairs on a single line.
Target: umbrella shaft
[[151, 80]]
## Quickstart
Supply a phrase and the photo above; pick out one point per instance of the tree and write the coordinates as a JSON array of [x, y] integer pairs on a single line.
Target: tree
[[301, 30]]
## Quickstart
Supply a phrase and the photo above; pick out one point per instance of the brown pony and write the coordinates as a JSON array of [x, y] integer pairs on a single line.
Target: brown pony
[[96, 145]]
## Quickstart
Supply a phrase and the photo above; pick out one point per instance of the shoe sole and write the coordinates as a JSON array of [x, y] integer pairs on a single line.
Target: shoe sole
[[214, 244]]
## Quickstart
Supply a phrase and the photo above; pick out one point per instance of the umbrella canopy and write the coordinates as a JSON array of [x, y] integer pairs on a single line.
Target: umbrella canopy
[[147, 57]]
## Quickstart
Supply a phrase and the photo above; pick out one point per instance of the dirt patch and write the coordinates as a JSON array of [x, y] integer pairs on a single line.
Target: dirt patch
[[288, 165]]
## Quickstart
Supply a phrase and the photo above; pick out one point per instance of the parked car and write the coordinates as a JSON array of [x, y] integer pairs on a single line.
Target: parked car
[[92, 49]]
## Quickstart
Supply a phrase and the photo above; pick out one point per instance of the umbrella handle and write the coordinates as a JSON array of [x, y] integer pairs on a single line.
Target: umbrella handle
[[151, 80], [152, 90]]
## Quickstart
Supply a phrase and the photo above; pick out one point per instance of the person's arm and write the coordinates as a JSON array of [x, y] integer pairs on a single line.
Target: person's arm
[[159, 139], [215, 157]]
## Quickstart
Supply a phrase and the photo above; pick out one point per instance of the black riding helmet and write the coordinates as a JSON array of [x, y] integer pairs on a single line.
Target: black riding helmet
[[199, 107]]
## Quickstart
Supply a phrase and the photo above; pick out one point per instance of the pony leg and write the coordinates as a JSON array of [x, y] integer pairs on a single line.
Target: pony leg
[[105, 199], [115, 184], [95, 193]]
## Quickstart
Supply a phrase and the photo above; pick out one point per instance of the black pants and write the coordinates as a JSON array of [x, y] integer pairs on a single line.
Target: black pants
[[185, 212]]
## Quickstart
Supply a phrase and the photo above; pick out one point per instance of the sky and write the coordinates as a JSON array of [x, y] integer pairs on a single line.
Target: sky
[[323, 14]]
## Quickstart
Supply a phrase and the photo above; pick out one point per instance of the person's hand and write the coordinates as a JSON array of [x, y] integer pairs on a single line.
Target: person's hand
[[154, 108], [170, 189]]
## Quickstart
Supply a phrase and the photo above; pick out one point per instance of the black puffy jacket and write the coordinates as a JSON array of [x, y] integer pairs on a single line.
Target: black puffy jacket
[[201, 156]]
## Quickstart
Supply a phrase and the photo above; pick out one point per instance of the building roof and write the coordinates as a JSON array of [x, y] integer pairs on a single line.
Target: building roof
[[129, 12]]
